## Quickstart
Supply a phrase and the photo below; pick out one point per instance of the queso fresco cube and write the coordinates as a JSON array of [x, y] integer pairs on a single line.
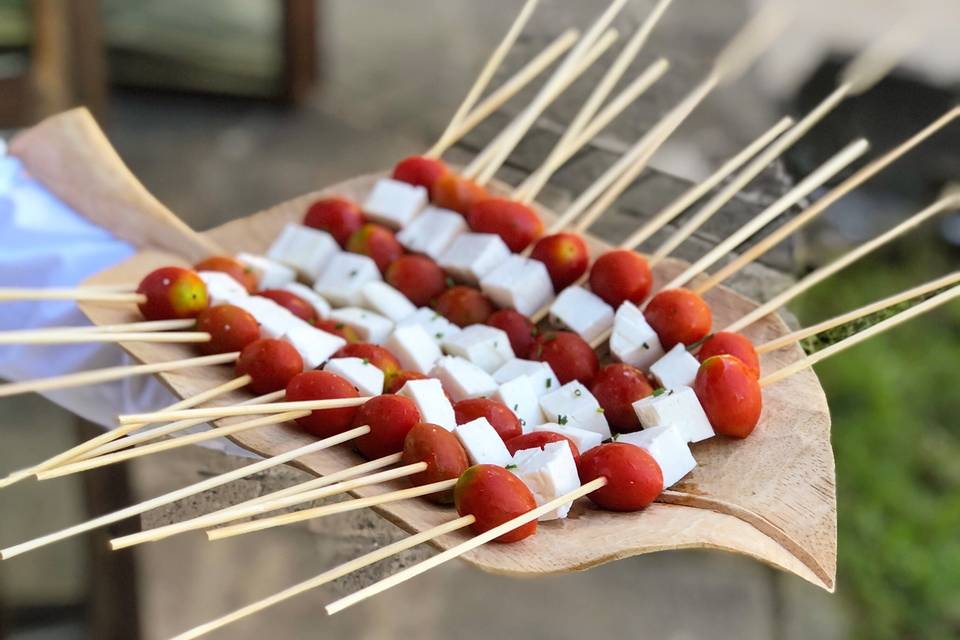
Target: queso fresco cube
[[676, 369], [341, 283], [387, 301], [541, 374], [221, 288], [668, 446], [270, 273], [574, 405], [370, 326], [436, 326], [549, 473], [314, 345], [676, 407], [482, 443], [303, 248], [462, 379], [414, 348], [366, 377], [485, 346], [519, 283], [432, 232], [471, 256], [321, 306], [431, 401], [394, 203], [634, 341], [583, 312]]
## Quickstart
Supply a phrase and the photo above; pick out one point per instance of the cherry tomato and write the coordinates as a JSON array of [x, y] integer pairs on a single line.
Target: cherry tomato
[[452, 192], [233, 268], [634, 479], [493, 495], [504, 421], [517, 224], [730, 395], [396, 382], [376, 355], [337, 216], [616, 388], [420, 171], [538, 440], [231, 329], [338, 329], [390, 419], [566, 257], [464, 306], [621, 275], [271, 363], [172, 293], [518, 328], [292, 303], [733, 344], [377, 242], [442, 452], [569, 355], [679, 316], [323, 385], [417, 277]]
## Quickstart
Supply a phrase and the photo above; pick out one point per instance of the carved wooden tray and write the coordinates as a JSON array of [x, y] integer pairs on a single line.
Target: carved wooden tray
[[770, 497]]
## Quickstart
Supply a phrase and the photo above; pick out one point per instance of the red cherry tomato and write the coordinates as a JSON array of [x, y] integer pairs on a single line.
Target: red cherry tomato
[[504, 421], [337, 216], [538, 440], [231, 329], [417, 277], [569, 355], [390, 418], [443, 454], [271, 363], [338, 329], [396, 382], [566, 257], [323, 385], [233, 268], [518, 328], [493, 495], [733, 344], [634, 478], [621, 275], [377, 242], [616, 388], [464, 306], [292, 303], [679, 316], [172, 293], [452, 192], [420, 171], [376, 355], [517, 224], [730, 395]]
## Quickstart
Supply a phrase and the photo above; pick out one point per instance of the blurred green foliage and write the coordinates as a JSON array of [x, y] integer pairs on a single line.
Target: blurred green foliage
[[895, 404]]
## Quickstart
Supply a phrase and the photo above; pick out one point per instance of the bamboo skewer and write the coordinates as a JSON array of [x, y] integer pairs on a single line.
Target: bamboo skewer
[[246, 410], [861, 312], [82, 337], [185, 492], [329, 510], [200, 522], [845, 187], [86, 294], [857, 338], [944, 204], [483, 78], [152, 325], [460, 549], [328, 576], [111, 373], [804, 188]]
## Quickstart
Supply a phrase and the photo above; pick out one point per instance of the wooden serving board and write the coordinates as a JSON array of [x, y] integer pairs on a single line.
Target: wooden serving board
[[770, 497]]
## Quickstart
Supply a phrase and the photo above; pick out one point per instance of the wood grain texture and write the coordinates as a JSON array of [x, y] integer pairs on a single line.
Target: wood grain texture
[[770, 497]]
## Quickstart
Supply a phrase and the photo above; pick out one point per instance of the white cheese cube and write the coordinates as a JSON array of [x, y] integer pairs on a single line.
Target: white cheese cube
[[549, 473], [583, 312], [394, 203], [273, 319], [676, 369], [341, 283], [585, 440], [314, 345], [668, 447], [436, 326], [482, 443], [574, 405], [304, 249], [432, 232], [387, 301], [485, 346], [519, 396], [366, 377], [414, 348], [677, 407], [541, 374], [519, 283], [634, 341], [221, 288], [370, 326], [462, 379], [270, 273], [474, 255], [321, 306], [431, 401]]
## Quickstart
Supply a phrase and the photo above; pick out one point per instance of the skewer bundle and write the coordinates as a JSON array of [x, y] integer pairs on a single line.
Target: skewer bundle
[[625, 475]]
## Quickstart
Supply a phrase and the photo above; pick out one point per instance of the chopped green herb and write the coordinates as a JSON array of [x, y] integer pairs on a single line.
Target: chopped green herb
[[534, 332], [516, 406], [366, 361], [523, 422], [600, 410], [353, 273], [646, 346], [510, 466], [549, 382], [339, 325], [436, 316], [577, 392], [615, 437], [659, 392], [439, 335], [449, 281], [561, 420]]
